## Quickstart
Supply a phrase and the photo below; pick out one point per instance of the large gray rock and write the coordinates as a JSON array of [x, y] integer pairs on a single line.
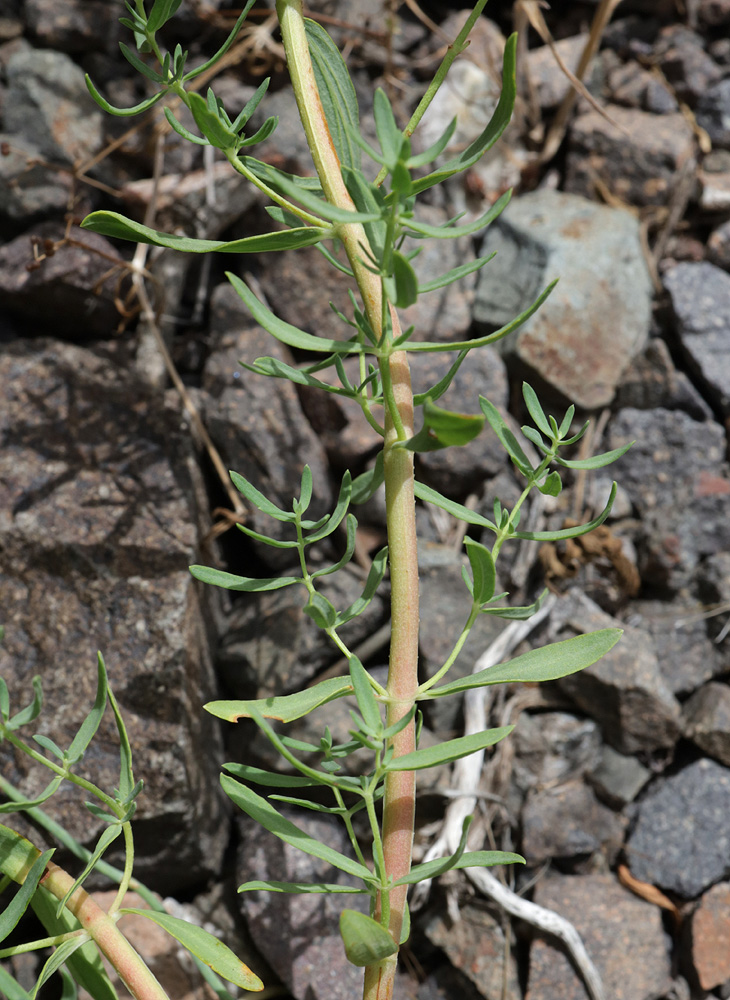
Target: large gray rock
[[676, 464], [622, 933], [586, 333], [624, 691], [48, 104], [101, 508], [700, 295], [567, 821], [681, 841], [29, 189]]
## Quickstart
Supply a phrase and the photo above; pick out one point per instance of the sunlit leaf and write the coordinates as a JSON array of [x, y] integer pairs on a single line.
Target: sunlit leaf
[[300, 888], [450, 750], [286, 708], [336, 91], [366, 941], [482, 570], [470, 859], [247, 584], [204, 946], [443, 428], [21, 900]]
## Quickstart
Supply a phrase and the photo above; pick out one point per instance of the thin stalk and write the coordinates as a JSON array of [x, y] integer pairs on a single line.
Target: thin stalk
[[103, 930], [399, 799]]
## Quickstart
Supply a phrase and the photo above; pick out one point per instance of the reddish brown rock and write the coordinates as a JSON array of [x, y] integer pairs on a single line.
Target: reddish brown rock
[[711, 937]]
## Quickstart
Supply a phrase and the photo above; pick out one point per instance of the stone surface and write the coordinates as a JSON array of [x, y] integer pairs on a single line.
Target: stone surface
[[707, 721], [65, 295], [624, 691], [718, 246], [685, 63], [687, 657], [681, 840], [75, 25], [639, 163], [299, 935], [711, 937], [475, 944], [635, 87], [652, 380], [676, 464], [622, 934], [48, 104], [257, 423], [700, 296], [101, 508], [28, 188], [618, 779], [553, 747], [546, 76], [567, 821], [459, 471], [584, 336], [713, 113]]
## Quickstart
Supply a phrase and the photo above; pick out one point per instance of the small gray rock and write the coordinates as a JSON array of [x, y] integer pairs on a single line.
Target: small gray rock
[[707, 721], [700, 295], [713, 113], [28, 188], [618, 779], [681, 840], [683, 61], [48, 104], [584, 336], [567, 821], [624, 691]]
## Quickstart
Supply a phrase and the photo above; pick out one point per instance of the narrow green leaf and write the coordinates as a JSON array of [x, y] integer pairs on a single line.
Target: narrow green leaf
[[141, 66], [389, 135], [61, 955], [444, 753], [162, 11], [121, 112], [491, 338], [249, 108], [517, 614], [496, 126], [507, 439], [10, 988], [581, 529], [214, 953], [127, 785], [285, 332], [21, 900], [457, 510], [455, 274], [547, 663], [335, 518], [366, 484], [430, 154], [450, 232], [274, 368], [596, 461], [48, 744], [224, 47], [443, 428], [437, 391], [367, 703], [482, 570], [275, 543], [32, 711], [265, 815], [403, 287], [211, 123], [183, 132], [370, 200], [262, 134], [25, 804], [91, 723], [69, 989], [116, 225], [257, 498], [552, 486], [300, 888], [470, 859], [108, 836], [322, 612], [4, 695], [286, 708], [375, 577], [351, 525], [366, 941], [271, 779], [336, 91], [533, 435], [535, 410], [247, 584]]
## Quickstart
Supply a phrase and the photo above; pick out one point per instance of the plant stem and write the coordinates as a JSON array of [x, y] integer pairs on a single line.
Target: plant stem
[[400, 786], [102, 929]]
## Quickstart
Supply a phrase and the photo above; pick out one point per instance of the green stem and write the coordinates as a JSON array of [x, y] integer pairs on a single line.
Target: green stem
[[458, 646], [400, 786], [49, 942]]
